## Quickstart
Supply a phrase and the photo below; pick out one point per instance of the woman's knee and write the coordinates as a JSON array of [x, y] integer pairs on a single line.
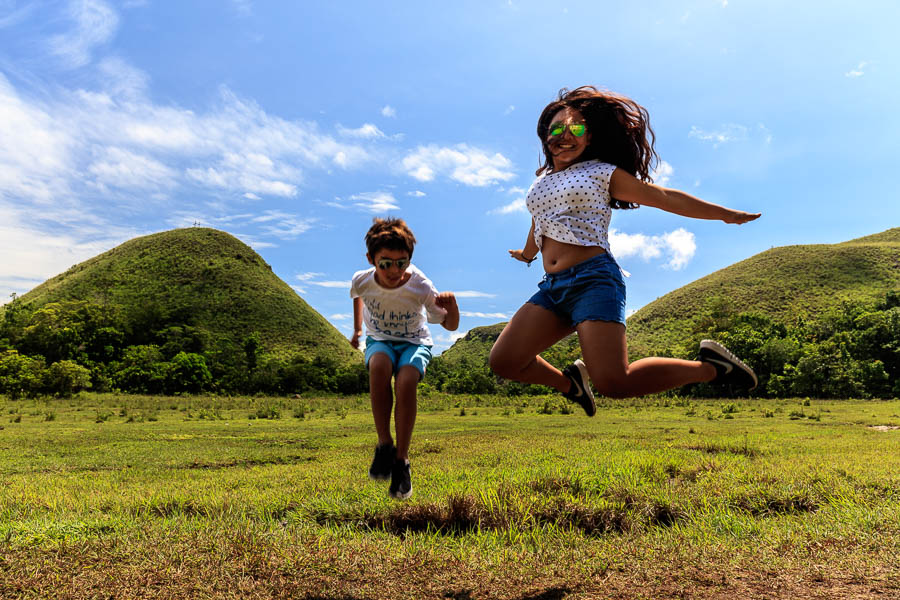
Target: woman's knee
[[502, 364], [610, 387]]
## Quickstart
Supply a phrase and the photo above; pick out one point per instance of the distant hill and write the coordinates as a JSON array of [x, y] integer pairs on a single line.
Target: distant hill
[[203, 277], [783, 283]]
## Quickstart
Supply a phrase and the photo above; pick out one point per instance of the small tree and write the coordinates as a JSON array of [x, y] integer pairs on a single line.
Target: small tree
[[189, 373], [21, 375], [66, 378]]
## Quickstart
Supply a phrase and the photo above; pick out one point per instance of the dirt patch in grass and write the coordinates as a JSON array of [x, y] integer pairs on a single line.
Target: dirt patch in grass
[[771, 502], [256, 565], [714, 448], [250, 462], [464, 514]]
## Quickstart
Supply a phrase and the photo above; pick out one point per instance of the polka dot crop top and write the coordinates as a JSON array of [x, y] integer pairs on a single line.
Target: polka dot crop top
[[573, 205]]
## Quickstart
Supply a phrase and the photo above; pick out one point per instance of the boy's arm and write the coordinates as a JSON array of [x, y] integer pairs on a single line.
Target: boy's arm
[[357, 321], [625, 187], [447, 301]]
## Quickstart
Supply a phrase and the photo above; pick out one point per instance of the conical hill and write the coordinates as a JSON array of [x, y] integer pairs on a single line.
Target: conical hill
[[205, 278], [783, 283]]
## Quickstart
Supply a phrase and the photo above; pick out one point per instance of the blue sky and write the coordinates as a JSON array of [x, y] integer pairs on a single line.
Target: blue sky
[[292, 124]]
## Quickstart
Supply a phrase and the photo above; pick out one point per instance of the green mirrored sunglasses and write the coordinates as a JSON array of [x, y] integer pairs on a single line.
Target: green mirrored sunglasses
[[576, 129], [385, 263]]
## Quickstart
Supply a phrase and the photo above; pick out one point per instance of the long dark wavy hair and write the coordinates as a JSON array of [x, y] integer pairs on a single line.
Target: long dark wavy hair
[[619, 127]]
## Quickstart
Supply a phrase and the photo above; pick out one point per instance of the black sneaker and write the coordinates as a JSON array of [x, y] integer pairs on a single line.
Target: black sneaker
[[581, 388], [729, 368], [401, 486], [385, 455]]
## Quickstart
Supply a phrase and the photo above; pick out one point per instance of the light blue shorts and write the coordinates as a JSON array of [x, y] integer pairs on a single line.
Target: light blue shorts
[[400, 353]]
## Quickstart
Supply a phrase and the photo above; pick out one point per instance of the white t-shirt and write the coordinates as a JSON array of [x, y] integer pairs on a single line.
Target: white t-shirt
[[573, 205], [396, 314]]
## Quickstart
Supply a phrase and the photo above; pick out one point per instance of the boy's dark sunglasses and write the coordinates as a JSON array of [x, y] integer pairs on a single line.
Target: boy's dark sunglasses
[[576, 129], [385, 263]]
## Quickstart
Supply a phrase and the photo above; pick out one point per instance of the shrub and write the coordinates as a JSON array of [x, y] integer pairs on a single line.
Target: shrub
[[21, 375], [66, 378]]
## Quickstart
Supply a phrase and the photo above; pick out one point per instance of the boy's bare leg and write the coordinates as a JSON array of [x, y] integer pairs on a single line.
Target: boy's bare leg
[[380, 371], [405, 385]]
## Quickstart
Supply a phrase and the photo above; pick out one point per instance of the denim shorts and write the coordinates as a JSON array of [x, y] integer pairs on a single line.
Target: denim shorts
[[400, 353], [592, 290]]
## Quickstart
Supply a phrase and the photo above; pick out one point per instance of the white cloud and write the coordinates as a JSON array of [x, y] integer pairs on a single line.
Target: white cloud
[[509, 110], [662, 173], [125, 169], [47, 146], [311, 277], [332, 284], [517, 205], [677, 247], [859, 71], [731, 132], [462, 163], [243, 8], [36, 153], [442, 341], [283, 225], [481, 315], [32, 252], [341, 316], [389, 111], [366, 131], [473, 294], [120, 79], [308, 276], [94, 23], [375, 202], [416, 194]]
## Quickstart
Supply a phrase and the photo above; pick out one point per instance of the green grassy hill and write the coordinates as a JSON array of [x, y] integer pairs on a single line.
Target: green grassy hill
[[203, 277], [782, 282]]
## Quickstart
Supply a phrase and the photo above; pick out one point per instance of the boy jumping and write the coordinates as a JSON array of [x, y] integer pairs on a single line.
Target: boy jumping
[[390, 296]]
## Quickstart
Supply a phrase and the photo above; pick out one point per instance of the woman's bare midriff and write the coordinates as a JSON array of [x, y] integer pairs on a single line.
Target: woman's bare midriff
[[559, 256]]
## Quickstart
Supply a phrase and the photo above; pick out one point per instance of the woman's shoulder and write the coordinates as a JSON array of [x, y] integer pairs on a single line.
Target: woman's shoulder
[[597, 165]]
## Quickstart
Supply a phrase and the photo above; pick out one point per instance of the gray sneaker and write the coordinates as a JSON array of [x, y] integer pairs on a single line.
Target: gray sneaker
[[580, 392], [729, 368]]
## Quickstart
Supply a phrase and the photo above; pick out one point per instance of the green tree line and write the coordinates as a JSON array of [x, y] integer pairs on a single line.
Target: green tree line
[[65, 347], [850, 351]]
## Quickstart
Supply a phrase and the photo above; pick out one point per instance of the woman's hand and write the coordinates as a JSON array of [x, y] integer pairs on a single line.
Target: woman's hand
[[739, 217], [519, 255]]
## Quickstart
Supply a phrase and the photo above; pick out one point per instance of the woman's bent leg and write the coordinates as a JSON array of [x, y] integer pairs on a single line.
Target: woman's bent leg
[[605, 353], [532, 330]]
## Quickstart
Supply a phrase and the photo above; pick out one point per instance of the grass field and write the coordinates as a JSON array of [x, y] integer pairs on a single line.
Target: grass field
[[138, 497]]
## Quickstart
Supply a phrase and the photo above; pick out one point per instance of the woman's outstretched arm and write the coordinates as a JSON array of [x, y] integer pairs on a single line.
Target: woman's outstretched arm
[[625, 187]]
